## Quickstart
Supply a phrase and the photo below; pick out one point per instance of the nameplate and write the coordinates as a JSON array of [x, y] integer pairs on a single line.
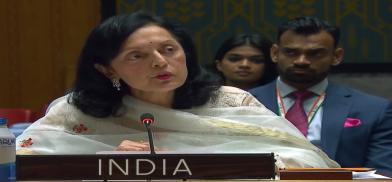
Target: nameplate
[[145, 166]]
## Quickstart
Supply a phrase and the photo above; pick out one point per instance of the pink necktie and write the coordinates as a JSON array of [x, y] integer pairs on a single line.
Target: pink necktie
[[296, 114]]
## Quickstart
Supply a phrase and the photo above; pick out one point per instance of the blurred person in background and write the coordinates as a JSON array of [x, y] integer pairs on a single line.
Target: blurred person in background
[[243, 61]]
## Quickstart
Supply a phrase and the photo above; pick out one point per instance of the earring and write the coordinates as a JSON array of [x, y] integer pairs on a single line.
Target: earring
[[116, 84]]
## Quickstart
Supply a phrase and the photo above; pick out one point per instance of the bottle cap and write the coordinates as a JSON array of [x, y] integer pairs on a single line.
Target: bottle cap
[[3, 121]]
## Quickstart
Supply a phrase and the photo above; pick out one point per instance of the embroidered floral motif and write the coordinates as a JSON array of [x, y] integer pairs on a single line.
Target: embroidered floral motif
[[233, 97], [79, 128], [26, 142]]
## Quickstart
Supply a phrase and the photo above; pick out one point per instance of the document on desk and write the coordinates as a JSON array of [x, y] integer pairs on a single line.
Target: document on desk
[[357, 173], [368, 175]]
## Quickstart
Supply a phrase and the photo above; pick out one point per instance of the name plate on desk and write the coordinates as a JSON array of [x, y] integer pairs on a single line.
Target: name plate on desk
[[145, 166]]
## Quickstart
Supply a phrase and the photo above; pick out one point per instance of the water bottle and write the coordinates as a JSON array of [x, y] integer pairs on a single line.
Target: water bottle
[[7, 153]]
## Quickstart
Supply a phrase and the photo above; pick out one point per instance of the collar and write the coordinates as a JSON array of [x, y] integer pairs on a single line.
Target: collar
[[286, 89]]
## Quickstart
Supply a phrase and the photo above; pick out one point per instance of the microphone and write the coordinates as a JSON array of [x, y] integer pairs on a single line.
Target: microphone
[[147, 119]]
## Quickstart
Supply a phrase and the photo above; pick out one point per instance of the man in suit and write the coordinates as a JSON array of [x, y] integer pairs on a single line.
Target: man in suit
[[353, 128]]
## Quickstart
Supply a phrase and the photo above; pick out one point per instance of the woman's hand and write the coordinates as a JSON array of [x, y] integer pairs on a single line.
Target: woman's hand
[[129, 145]]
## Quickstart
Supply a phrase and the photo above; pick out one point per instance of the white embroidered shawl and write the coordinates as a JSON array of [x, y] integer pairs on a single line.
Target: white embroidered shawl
[[234, 122]]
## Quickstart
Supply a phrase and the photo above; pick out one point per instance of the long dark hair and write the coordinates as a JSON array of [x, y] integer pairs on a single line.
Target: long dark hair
[[94, 94], [254, 40]]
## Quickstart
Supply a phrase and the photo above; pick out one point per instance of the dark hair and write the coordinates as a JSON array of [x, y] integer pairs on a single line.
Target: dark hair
[[94, 94], [309, 25], [254, 40]]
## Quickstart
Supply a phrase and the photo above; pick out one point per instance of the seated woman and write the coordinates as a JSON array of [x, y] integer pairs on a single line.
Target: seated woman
[[138, 63], [244, 61]]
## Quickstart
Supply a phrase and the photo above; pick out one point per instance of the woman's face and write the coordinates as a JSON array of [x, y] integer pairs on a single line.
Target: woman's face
[[151, 60], [242, 65]]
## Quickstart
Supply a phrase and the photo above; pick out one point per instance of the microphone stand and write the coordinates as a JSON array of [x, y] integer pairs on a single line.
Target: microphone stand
[[151, 141]]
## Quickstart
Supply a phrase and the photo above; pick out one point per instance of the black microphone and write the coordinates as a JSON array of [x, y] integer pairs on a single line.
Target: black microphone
[[147, 119]]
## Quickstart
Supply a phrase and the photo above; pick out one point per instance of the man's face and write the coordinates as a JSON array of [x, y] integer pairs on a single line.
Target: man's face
[[305, 60]]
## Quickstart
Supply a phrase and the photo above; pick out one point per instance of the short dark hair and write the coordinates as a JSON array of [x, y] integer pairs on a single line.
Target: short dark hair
[[254, 40], [306, 25], [94, 94]]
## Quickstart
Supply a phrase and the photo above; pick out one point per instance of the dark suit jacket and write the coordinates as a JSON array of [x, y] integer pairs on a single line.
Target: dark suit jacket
[[369, 144]]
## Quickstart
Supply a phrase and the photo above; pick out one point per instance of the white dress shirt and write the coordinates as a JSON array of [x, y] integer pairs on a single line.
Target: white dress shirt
[[314, 127]]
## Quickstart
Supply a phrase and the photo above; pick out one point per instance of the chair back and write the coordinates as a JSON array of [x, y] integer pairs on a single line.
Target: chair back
[[17, 115]]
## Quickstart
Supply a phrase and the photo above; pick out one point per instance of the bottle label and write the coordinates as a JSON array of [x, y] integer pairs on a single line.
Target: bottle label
[[7, 150], [7, 159], [7, 172], [7, 142]]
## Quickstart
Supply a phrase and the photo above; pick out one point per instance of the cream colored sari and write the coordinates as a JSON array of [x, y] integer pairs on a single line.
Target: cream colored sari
[[233, 122]]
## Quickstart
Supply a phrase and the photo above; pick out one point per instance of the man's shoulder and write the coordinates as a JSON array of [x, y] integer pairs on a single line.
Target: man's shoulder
[[357, 95]]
